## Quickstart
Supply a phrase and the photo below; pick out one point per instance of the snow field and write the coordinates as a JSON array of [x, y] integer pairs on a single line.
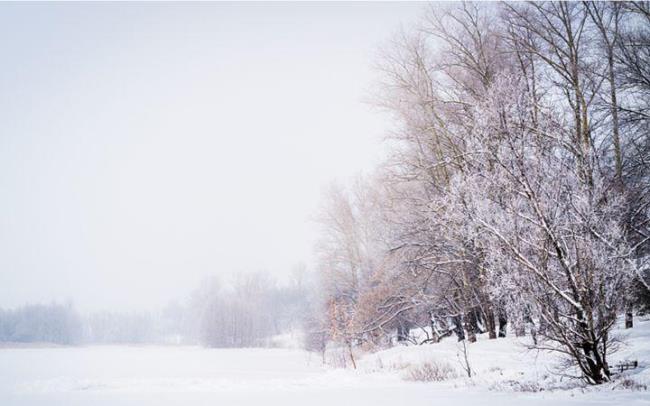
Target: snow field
[[174, 375]]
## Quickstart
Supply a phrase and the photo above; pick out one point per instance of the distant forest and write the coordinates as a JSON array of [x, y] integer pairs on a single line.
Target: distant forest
[[245, 313]]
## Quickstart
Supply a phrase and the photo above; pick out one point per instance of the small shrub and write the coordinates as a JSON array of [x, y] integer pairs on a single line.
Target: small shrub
[[339, 357], [398, 366], [430, 372], [496, 369], [517, 386], [631, 384], [335, 358]]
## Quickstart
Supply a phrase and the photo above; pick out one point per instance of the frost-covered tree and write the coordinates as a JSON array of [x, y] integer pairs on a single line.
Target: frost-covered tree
[[516, 193]]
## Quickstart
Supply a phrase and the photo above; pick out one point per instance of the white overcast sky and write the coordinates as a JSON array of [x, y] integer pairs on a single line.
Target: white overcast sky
[[145, 146]]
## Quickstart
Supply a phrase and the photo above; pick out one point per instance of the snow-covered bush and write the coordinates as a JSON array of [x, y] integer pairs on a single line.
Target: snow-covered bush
[[630, 384], [517, 386], [430, 371]]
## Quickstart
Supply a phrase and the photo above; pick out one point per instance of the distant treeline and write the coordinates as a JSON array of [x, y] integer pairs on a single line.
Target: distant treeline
[[53, 323], [62, 324], [244, 313]]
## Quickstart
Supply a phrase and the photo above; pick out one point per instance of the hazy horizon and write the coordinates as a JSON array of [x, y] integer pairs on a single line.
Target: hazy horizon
[[145, 146]]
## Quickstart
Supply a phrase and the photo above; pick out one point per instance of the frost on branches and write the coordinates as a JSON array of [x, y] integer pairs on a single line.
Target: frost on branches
[[517, 196]]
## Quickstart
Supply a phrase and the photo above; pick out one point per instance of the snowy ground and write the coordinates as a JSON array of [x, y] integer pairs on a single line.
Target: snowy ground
[[133, 375]]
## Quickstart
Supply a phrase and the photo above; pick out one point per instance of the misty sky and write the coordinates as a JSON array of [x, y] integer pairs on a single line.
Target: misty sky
[[144, 146]]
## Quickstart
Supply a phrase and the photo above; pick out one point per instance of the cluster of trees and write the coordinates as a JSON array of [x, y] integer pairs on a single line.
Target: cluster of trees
[[518, 191], [249, 312], [54, 323]]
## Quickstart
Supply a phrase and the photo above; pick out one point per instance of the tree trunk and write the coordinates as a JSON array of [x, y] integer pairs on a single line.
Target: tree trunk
[[629, 317], [435, 334], [503, 323], [491, 324], [354, 364], [597, 369], [458, 328], [470, 326], [402, 332]]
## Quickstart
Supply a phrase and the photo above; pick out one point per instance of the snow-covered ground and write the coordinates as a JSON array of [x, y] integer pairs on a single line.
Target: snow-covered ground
[[509, 365], [139, 375]]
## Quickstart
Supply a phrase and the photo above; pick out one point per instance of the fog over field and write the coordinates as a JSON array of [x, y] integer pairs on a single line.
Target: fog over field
[[145, 147], [325, 203]]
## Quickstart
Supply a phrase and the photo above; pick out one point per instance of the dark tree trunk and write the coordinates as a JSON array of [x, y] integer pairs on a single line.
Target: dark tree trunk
[[402, 332], [479, 321], [471, 326], [503, 323], [597, 369], [629, 318], [458, 328], [491, 324]]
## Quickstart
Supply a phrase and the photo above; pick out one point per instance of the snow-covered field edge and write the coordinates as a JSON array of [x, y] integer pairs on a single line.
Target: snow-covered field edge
[[504, 365]]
